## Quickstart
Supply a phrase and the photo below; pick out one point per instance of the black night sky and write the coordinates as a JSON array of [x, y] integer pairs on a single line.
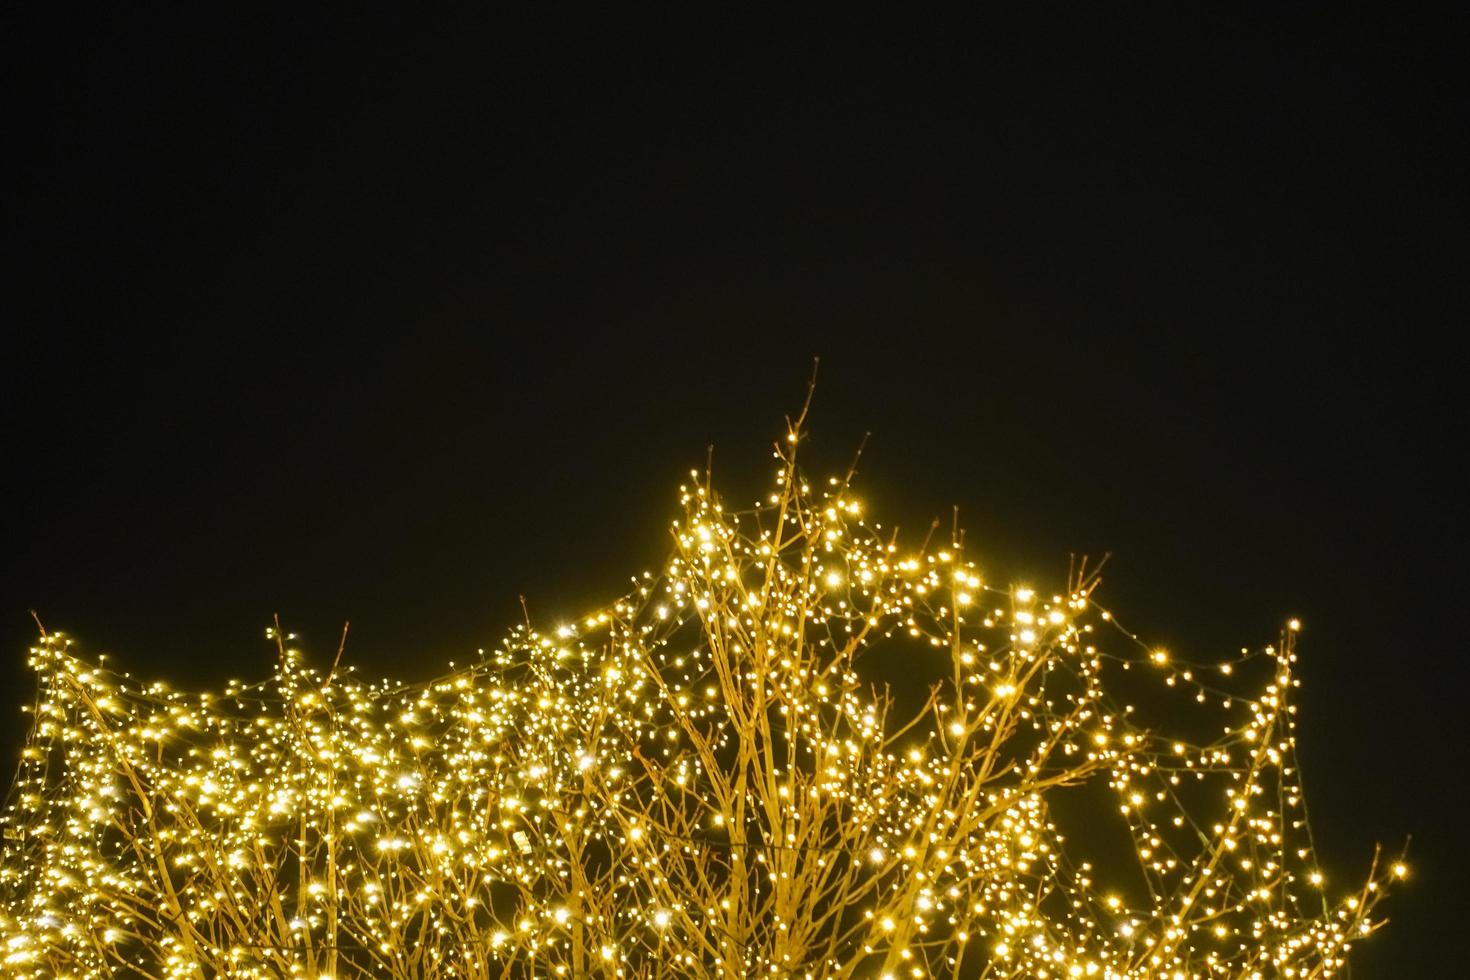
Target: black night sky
[[362, 316]]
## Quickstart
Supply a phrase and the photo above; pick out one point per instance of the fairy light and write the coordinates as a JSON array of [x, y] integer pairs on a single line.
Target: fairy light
[[698, 778]]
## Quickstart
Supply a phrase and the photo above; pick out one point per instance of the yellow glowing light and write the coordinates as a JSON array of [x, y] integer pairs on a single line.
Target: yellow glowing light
[[686, 782]]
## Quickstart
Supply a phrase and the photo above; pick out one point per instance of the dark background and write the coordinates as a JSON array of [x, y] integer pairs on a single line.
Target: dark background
[[357, 316]]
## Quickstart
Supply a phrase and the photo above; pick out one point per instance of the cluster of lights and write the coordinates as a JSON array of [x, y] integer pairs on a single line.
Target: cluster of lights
[[705, 778]]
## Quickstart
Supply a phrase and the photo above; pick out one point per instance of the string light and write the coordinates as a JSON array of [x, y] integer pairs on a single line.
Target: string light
[[702, 778]]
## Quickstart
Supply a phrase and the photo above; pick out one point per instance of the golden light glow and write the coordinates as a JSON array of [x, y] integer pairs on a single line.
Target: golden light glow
[[702, 778]]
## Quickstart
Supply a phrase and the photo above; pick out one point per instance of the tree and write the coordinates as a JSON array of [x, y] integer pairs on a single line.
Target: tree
[[703, 778]]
